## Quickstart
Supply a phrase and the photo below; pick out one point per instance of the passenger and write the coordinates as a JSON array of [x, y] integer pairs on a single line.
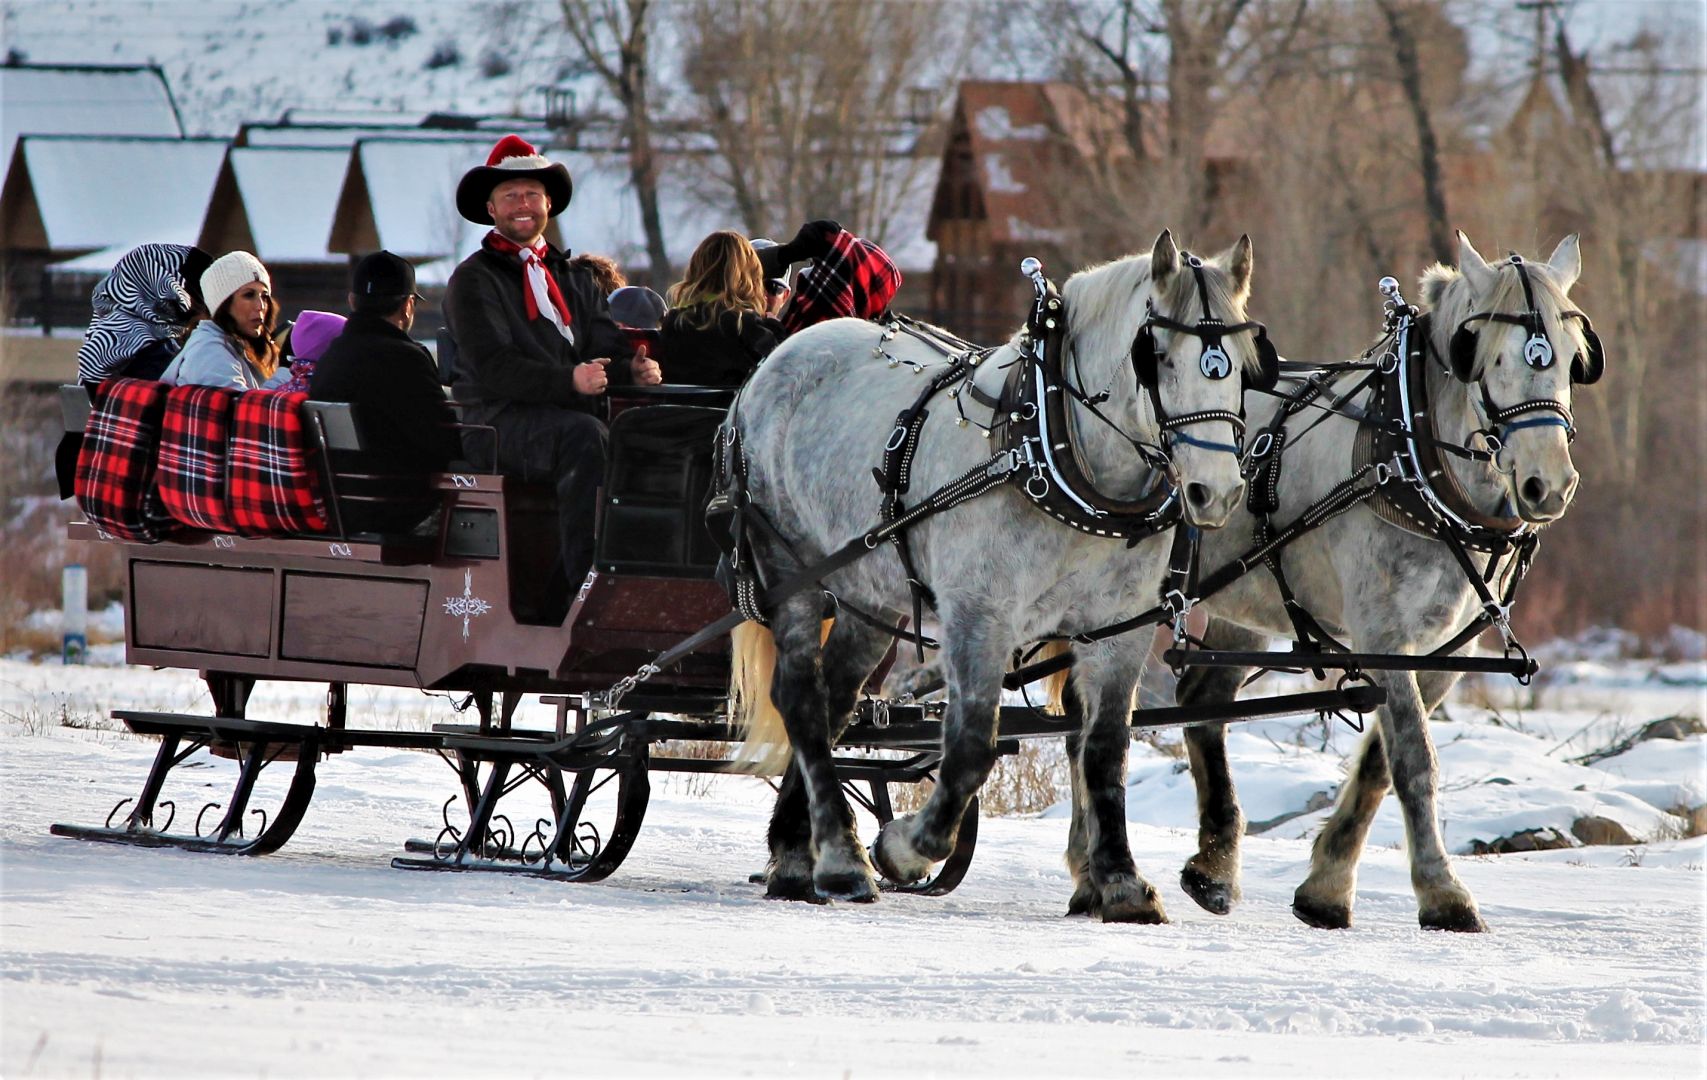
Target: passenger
[[142, 310], [716, 331], [309, 337], [637, 307], [536, 344], [401, 409], [777, 289], [849, 276], [607, 275], [235, 347]]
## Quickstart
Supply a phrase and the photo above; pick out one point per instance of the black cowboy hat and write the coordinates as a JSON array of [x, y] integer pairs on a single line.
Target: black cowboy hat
[[514, 158]]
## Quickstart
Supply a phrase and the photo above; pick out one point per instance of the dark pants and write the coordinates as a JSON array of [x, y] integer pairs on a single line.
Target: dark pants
[[548, 444]]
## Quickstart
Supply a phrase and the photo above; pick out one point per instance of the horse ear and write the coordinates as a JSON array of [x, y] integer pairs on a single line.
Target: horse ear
[[1475, 269], [1164, 257], [1566, 262], [1238, 260]]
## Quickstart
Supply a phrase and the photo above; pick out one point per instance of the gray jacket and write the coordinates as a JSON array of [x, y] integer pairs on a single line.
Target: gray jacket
[[212, 358]]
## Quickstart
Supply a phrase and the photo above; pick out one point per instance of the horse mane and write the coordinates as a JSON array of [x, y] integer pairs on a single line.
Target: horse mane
[[1446, 292], [1103, 316]]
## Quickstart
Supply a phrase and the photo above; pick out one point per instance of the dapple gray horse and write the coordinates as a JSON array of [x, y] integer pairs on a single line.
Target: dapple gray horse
[[1386, 589], [812, 421]]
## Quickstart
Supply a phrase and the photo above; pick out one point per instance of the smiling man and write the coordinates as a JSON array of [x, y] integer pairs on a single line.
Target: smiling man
[[536, 346]]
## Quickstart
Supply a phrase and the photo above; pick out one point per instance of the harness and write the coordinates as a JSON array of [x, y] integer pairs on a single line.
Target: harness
[[1036, 451], [1397, 468]]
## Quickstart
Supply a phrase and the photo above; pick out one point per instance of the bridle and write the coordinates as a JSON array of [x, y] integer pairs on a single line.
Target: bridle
[[1213, 361], [1498, 423]]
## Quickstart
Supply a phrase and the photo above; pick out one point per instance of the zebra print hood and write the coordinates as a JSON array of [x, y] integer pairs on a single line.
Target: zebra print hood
[[147, 297]]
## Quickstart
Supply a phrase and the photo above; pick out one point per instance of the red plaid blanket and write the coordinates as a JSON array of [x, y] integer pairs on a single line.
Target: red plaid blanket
[[856, 278], [274, 484], [115, 467], [190, 472]]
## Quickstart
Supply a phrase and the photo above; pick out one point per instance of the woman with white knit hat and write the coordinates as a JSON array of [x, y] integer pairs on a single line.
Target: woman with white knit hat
[[234, 348]]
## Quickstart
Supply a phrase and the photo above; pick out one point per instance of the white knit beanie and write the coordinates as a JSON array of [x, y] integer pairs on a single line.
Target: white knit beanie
[[229, 273]]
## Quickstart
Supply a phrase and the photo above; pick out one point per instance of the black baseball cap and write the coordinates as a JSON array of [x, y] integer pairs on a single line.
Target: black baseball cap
[[381, 279]]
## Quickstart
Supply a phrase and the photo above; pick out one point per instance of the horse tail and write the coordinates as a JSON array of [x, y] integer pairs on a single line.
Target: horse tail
[[764, 746], [1055, 684]]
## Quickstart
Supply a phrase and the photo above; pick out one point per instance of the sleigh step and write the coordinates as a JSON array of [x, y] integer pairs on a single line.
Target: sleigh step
[[1521, 667]]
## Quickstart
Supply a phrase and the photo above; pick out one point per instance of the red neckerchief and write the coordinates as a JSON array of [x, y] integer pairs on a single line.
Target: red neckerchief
[[503, 245]]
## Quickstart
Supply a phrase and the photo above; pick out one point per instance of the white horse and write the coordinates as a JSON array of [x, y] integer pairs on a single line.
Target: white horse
[[1387, 588], [813, 421]]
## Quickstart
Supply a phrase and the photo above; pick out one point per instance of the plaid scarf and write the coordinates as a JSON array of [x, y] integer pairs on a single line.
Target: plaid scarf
[[857, 279], [541, 291]]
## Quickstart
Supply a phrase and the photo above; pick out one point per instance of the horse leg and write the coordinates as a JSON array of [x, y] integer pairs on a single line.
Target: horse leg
[[1324, 900], [850, 654], [1443, 901], [840, 869], [1086, 898], [1211, 877], [908, 846], [1109, 676]]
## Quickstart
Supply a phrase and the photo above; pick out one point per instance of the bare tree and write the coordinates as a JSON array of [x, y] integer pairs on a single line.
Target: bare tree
[[806, 103], [1400, 30], [614, 39]]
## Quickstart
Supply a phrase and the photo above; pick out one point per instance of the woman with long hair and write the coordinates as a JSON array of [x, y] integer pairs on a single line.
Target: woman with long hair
[[234, 347], [716, 331]]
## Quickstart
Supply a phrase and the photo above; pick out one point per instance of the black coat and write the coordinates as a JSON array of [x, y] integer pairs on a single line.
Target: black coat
[[402, 413], [721, 354], [503, 356]]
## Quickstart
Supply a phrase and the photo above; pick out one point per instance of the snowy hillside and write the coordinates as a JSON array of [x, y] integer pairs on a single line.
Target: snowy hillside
[[241, 61]]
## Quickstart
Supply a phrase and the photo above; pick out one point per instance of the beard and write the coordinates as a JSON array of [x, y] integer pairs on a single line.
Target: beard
[[526, 235]]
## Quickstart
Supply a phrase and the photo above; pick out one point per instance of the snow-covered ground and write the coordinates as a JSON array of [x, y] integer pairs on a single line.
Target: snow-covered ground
[[323, 961]]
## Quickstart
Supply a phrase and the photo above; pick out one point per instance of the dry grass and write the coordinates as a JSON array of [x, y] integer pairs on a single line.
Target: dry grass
[[1024, 783]]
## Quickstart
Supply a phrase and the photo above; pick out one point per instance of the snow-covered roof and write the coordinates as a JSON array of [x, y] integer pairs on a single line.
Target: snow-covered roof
[[99, 192], [348, 135], [400, 195], [53, 100], [289, 195]]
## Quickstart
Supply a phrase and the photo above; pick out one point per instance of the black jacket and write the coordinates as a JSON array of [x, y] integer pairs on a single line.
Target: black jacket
[[503, 356], [721, 354], [402, 413]]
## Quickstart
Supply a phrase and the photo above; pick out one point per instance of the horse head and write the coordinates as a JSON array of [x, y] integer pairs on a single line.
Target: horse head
[[1192, 353], [1509, 333]]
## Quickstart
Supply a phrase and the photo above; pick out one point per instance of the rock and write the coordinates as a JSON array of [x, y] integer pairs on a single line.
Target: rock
[[1547, 839], [1598, 830], [1671, 727]]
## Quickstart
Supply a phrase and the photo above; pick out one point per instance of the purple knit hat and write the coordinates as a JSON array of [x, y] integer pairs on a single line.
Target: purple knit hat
[[313, 332]]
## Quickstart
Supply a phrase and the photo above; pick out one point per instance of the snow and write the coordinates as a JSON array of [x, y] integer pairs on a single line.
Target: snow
[[322, 960], [99, 193], [45, 101], [411, 187], [996, 124], [289, 197]]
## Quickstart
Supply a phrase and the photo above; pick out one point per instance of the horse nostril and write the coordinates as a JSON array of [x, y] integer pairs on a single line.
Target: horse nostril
[[1197, 495], [1534, 490]]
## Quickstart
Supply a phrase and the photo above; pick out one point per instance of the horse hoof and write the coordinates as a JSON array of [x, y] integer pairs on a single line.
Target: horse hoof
[[1085, 901], [1215, 897], [758, 877], [1322, 916], [1458, 918], [1132, 902], [791, 888], [853, 887], [901, 867]]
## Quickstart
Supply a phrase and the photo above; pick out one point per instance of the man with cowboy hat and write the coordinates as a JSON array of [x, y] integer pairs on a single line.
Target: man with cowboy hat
[[536, 346]]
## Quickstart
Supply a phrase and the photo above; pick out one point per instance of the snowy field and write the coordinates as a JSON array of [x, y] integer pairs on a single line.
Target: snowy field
[[323, 961]]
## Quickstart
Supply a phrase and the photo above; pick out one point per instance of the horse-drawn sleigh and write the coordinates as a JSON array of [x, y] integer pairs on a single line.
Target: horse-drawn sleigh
[[1131, 446]]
